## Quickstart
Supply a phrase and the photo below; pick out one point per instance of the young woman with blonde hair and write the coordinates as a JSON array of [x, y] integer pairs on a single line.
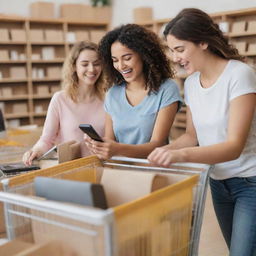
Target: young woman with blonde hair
[[80, 101]]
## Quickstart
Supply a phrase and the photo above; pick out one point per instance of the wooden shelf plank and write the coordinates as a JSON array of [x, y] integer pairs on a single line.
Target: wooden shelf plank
[[13, 61], [14, 97], [57, 60], [12, 80], [46, 96], [46, 79], [16, 115]]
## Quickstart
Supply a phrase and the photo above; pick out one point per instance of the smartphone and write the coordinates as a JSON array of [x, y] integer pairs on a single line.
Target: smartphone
[[89, 130], [16, 168]]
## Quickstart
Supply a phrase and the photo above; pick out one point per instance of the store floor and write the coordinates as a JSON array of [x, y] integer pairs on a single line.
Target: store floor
[[211, 241]]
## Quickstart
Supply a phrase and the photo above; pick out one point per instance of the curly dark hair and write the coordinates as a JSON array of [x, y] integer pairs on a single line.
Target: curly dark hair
[[194, 25], [156, 65]]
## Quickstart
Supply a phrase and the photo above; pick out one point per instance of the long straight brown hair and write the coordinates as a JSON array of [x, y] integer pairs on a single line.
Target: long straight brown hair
[[196, 26]]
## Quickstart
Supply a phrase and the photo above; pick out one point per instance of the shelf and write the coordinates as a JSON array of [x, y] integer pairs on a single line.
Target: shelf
[[39, 114], [12, 43], [14, 97], [11, 80], [13, 61], [46, 96], [47, 43], [58, 60], [46, 79], [241, 34], [16, 115]]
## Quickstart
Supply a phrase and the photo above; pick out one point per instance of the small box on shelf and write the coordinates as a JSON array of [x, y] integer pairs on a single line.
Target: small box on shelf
[[241, 46], [251, 26], [18, 35], [42, 89], [42, 10], [36, 35], [18, 72], [238, 26], [35, 56], [4, 35], [21, 107], [252, 48], [13, 123], [142, 14], [54, 72], [6, 91], [82, 35], [54, 88], [96, 35], [54, 35], [4, 55]]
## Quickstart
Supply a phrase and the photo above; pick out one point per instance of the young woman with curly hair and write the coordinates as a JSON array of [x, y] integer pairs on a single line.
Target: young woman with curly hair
[[142, 101], [80, 101], [221, 123]]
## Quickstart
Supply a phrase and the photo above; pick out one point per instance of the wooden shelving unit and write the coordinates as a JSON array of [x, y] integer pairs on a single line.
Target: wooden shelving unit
[[239, 26], [32, 52]]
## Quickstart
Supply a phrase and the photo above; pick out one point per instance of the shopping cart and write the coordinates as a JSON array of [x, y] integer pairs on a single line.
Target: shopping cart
[[165, 222]]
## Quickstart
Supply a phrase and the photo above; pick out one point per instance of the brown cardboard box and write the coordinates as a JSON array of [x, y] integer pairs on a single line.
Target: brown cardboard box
[[42, 10], [18, 35], [238, 27], [42, 89], [4, 55], [53, 72], [102, 14], [4, 35], [142, 14], [36, 35], [252, 48], [82, 35], [54, 36], [251, 26], [71, 11], [18, 72], [241, 46], [7, 91], [96, 35], [20, 108]]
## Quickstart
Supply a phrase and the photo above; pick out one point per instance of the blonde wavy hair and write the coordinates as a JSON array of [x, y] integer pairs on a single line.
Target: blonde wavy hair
[[69, 75]]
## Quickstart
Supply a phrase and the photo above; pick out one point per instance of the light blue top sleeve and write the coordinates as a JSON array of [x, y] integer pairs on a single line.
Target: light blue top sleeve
[[135, 124]]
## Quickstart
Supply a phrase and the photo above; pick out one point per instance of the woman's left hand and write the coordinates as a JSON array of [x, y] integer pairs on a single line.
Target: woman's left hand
[[165, 157], [104, 150]]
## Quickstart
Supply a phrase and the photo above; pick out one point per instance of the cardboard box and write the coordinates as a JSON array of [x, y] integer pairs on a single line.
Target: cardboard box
[[82, 35], [6, 91], [4, 55], [54, 36], [18, 35], [53, 72], [54, 88], [20, 108], [42, 89], [101, 14], [96, 35], [252, 48], [238, 26], [42, 10], [36, 35], [251, 26], [18, 72], [142, 14], [71, 11], [241, 46], [4, 35]]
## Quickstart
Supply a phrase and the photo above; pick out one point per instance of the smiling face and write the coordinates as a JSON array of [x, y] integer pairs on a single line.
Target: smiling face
[[88, 67], [127, 62], [188, 54]]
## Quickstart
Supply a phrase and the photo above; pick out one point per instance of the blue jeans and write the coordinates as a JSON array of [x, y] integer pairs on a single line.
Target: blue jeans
[[234, 202]]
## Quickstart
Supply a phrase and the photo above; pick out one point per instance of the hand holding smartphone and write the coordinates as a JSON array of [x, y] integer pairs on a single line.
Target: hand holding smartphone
[[89, 130]]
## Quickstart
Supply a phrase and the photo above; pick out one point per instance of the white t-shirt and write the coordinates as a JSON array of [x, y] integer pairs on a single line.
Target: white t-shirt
[[210, 113]]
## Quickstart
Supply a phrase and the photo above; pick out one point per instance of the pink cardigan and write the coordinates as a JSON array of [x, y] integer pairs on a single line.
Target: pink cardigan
[[63, 118]]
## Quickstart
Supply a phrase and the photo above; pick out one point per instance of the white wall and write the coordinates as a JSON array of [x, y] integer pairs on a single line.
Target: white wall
[[123, 9]]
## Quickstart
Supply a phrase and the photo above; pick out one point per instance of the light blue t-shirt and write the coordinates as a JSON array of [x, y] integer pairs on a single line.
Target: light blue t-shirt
[[135, 124]]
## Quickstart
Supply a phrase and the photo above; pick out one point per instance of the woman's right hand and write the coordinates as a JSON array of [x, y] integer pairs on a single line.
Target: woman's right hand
[[30, 155]]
